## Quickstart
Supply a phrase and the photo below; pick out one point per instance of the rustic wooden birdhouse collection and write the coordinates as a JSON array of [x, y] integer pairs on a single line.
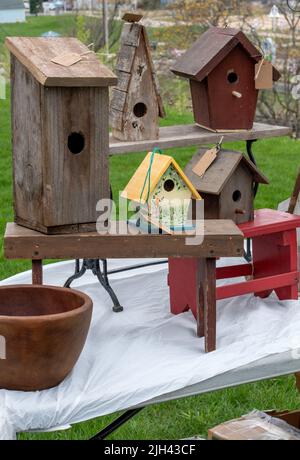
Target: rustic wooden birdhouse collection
[[227, 186], [136, 103], [60, 125], [225, 72], [160, 185]]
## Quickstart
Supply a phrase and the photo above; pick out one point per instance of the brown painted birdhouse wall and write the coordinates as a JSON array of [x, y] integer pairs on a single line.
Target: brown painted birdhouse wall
[[221, 69], [136, 103], [227, 185], [60, 124]]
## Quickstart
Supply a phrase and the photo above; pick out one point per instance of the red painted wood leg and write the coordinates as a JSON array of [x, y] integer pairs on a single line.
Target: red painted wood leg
[[207, 279], [37, 272], [273, 255]]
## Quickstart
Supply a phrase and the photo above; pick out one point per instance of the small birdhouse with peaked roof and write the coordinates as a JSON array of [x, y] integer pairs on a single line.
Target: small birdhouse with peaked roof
[[162, 187], [136, 103], [227, 186], [223, 70]]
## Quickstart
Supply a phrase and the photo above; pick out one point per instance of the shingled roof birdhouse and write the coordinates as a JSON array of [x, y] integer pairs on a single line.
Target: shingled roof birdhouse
[[162, 187], [60, 127], [225, 71], [136, 103], [227, 186]]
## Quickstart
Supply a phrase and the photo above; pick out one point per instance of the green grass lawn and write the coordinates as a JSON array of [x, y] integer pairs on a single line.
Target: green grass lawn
[[279, 160]]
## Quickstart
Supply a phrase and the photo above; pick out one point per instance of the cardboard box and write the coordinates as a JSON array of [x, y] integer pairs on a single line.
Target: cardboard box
[[259, 426]]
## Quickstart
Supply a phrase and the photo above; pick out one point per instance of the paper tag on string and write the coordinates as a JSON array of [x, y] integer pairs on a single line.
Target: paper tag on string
[[263, 75], [67, 59], [205, 161]]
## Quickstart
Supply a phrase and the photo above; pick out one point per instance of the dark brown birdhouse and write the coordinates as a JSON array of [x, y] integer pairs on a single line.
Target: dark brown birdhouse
[[227, 186], [221, 69], [136, 103], [60, 125]]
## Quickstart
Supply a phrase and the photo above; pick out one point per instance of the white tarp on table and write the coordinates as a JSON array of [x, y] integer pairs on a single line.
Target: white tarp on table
[[144, 352]]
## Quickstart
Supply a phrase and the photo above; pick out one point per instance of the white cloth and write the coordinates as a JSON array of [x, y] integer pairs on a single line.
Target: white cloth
[[145, 351]]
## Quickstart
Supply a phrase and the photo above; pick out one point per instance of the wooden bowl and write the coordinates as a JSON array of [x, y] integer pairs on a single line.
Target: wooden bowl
[[44, 329]]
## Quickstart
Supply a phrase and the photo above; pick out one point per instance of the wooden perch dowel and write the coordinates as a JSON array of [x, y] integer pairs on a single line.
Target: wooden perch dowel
[[240, 211], [237, 94]]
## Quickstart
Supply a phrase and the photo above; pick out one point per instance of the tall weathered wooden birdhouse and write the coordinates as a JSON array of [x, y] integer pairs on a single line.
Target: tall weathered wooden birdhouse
[[136, 103], [227, 186], [225, 70], [60, 125], [161, 185]]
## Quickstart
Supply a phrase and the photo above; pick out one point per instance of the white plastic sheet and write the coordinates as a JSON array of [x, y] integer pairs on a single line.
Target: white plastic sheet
[[144, 352]]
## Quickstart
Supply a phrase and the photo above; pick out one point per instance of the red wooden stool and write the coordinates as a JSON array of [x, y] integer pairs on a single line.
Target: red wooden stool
[[274, 267]]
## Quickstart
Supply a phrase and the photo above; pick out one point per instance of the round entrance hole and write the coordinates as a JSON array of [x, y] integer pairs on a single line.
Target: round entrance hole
[[232, 77], [236, 196], [140, 109], [169, 185], [76, 143]]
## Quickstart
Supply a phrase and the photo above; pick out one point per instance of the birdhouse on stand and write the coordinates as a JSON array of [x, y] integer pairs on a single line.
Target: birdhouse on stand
[[162, 189], [60, 125], [225, 71], [227, 186], [136, 103]]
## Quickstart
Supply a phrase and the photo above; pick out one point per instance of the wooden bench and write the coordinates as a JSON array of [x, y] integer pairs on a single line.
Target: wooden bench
[[222, 238]]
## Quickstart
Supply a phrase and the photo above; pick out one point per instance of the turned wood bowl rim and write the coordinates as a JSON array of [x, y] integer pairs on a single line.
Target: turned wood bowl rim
[[86, 306]]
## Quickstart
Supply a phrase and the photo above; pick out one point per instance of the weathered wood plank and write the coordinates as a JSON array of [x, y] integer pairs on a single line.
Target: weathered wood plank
[[188, 135], [36, 55], [221, 238], [118, 100], [27, 144], [125, 58], [123, 80], [73, 184], [37, 271], [131, 34]]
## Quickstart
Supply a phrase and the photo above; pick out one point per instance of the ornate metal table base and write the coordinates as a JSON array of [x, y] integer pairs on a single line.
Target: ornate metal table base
[[94, 265]]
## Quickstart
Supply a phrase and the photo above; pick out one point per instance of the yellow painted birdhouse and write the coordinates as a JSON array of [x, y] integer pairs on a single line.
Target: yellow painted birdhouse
[[164, 192]]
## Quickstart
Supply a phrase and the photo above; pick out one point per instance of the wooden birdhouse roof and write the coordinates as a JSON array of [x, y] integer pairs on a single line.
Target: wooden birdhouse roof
[[132, 33], [221, 170], [37, 54], [210, 49], [159, 166]]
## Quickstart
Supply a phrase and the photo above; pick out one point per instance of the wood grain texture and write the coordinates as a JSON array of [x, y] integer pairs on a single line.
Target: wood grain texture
[[27, 140], [206, 309], [37, 272], [188, 135], [239, 113], [74, 183], [239, 209], [36, 54], [221, 238]]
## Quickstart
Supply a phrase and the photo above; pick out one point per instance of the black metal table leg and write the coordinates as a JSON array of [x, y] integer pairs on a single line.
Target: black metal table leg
[[249, 143], [94, 265], [116, 424]]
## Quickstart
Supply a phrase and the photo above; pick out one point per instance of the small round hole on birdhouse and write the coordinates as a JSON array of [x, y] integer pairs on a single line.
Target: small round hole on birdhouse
[[236, 196], [76, 143], [169, 185], [232, 77], [140, 109]]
